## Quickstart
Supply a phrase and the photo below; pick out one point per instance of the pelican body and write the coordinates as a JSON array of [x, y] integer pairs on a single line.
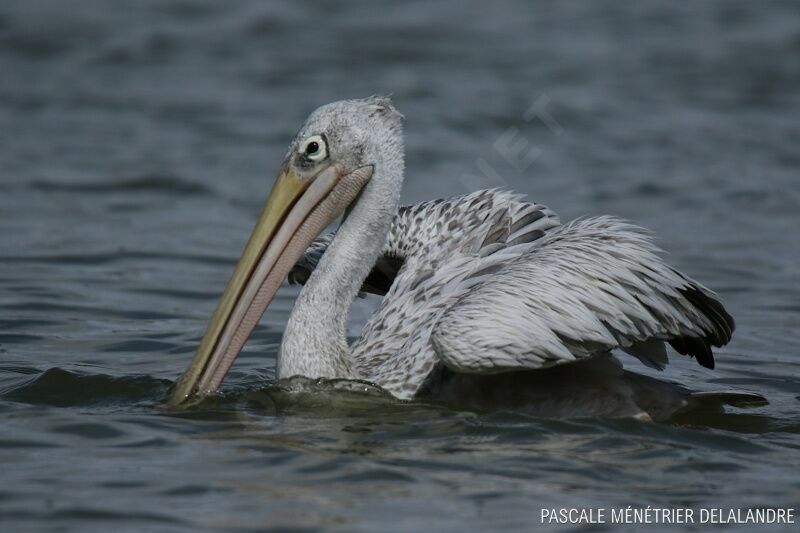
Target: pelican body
[[482, 291]]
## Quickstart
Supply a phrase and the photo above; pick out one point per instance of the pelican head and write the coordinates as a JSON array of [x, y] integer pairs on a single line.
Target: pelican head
[[331, 159]]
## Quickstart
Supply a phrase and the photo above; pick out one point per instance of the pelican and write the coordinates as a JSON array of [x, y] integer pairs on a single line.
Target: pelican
[[482, 294]]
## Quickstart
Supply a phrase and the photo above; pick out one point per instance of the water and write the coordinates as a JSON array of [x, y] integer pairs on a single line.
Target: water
[[138, 143]]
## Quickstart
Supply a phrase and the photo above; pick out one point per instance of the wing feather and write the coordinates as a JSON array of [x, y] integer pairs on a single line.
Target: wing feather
[[444, 227], [592, 286], [488, 283]]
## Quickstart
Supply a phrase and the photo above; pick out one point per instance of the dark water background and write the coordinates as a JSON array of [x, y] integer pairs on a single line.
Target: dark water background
[[138, 141]]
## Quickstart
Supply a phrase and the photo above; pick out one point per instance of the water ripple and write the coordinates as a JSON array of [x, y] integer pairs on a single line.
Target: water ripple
[[150, 184], [62, 388]]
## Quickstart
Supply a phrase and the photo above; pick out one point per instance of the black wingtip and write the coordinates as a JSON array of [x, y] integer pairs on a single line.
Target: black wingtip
[[695, 347], [705, 357], [722, 324], [712, 308]]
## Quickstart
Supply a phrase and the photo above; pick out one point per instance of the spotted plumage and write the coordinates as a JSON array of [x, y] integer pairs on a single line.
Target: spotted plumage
[[488, 283]]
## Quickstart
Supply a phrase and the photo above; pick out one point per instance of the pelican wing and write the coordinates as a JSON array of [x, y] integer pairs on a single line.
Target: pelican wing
[[585, 288], [448, 247], [489, 283], [436, 228]]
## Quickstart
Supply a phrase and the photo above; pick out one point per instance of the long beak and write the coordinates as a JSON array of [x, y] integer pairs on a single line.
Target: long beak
[[297, 211]]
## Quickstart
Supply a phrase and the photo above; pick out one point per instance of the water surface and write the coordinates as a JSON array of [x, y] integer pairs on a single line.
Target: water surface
[[137, 143]]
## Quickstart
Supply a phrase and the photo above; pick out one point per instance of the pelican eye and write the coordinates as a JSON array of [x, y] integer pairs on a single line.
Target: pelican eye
[[314, 148]]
